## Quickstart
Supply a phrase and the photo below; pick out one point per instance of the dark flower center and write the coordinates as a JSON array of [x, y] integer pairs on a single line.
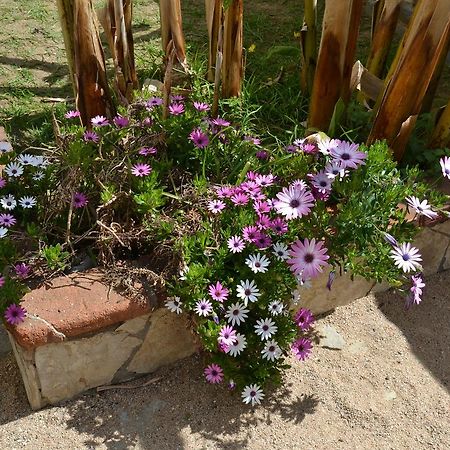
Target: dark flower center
[[323, 183], [301, 348], [294, 203], [247, 292], [257, 264], [214, 373], [309, 258], [236, 312], [406, 257], [345, 156], [265, 328], [252, 393], [271, 348]]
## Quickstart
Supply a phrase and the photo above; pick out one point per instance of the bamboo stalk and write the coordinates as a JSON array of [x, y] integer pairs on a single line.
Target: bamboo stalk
[[309, 45], [441, 133], [214, 19], [424, 41], [335, 60], [232, 66]]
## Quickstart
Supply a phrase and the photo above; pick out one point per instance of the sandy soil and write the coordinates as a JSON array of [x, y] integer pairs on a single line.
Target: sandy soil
[[388, 388]]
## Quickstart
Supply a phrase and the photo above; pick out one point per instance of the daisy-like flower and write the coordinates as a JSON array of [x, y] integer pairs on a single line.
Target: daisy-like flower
[[263, 241], [177, 98], [335, 169], [39, 175], [218, 292], [422, 208], [271, 351], [176, 109], [445, 166], [121, 122], [2, 280], [14, 169], [5, 147], [220, 122], [154, 101], [304, 319], [198, 138], [265, 180], [200, 106], [203, 307], [302, 348], [309, 148], [262, 154], [307, 258], [15, 314], [262, 207], [331, 277], [321, 181], [279, 226], [7, 220], [258, 263], [236, 244], [27, 202], [347, 154], [280, 250], [239, 344], [3, 232], [8, 202], [147, 122], [40, 161], [99, 121], [252, 394], [224, 191], [79, 200], [406, 257], [247, 291], [326, 144], [213, 374], [250, 233], [141, 170], [294, 202], [240, 199], [22, 270], [216, 206], [26, 159], [90, 136], [253, 140], [174, 305], [390, 240], [227, 335], [265, 328], [147, 151], [415, 293], [275, 308], [236, 314], [264, 222], [72, 114], [2, 182]]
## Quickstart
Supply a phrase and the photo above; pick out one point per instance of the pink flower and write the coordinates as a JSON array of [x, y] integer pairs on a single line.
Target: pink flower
[[294, 202], [213, 374], [141, 170], [90, 136], [99, 121], [176, 109], [146, 151], [199, 106], [154, 101], [304, 319], [307, 258], [227, 335], [22, 270], [15, 314], [236, 244], [79, 200], [261, 207], [347, 155], [279, 226], [264, 222], [2, 280], [72, 114], [199, 139], [221, 122], [224, 192], [218, 292], [415, 293], [2, 182], [7, 220], [250, 233], [240, 199], [216, 206], [121, 122], [301, 348]]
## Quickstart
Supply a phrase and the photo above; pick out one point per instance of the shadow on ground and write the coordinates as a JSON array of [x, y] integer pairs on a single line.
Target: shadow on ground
[[426, 326]]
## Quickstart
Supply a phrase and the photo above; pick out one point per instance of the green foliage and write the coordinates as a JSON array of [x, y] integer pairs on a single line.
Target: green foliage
[[55, 257]]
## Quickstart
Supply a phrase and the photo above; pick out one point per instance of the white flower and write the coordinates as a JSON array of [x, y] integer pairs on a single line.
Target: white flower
[[325, 144], [252, 394], [294, 202], [174, 305], [271, 351], [25, 159], [406, 257], [295, 297], [8, 202], [38, 175], [236, 313], [422, 208], [247, 291], [280, 250], [5, 147], [27, 202], [239, 344], [14, 169], [184, 271], [257, 263], [3, 232], [203, 307], [275, 308], [265, 328]]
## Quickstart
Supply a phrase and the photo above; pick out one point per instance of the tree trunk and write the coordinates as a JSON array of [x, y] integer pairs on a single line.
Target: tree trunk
[[309, 45], [441, 132], [214, 19]]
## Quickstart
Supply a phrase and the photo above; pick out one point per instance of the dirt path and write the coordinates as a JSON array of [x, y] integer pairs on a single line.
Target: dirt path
[[388, 388]]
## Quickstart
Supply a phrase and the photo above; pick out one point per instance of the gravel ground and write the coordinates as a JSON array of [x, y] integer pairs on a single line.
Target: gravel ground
[[388, 388]]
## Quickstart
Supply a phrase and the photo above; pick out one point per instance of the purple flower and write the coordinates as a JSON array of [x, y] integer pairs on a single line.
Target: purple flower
[[250, 233], [154, 101], [390, 240], [146, 151], [279, 226], [227, 335], [415, 293], [307, 258], [291, 148], [294, 202], [121, 122], [263, 241], [304, 319], [7, 220], [22, 270], [177, 98], [147, 122], [309, 149], [239, 199], [218, 292], [90, 136], [235, 244], [199, 138], [15, 314], [321, 181], [253, 140], [213, 374], [261, 207], [331, 277], [445, 166], [199, 106], [262, 154], [79, 200], [72, 114], [141, 170], [301, 348], [2, 182], [224, 192], [216, 206], [264, 222], [347, 155], [99, 121], [220, 122], [176, 109]]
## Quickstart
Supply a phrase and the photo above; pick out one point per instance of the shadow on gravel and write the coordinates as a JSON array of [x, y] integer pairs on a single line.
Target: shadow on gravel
[[153, 417], [425, 326]]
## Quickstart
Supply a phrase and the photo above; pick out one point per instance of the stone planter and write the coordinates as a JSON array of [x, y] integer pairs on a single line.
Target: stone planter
[[80, 334]]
